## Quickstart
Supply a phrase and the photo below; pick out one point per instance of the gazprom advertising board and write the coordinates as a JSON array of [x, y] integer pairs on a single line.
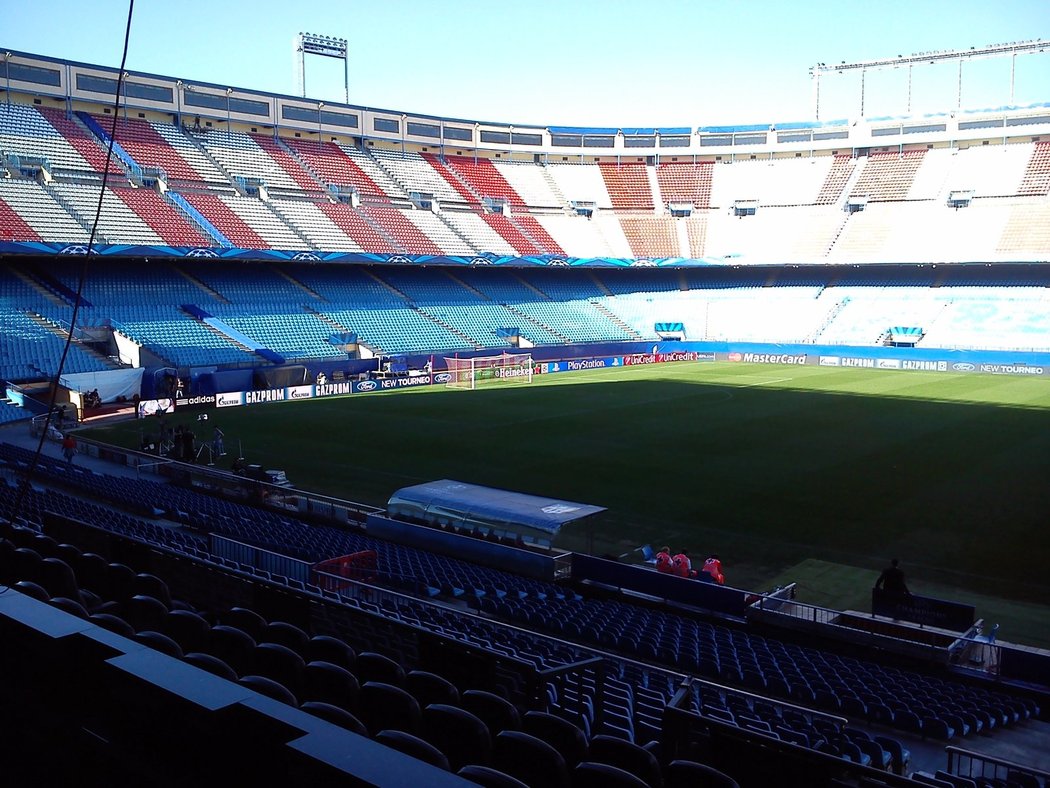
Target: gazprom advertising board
[[230, 399]]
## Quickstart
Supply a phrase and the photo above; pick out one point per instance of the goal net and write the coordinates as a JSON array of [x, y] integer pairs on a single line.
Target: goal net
[[469, 373]]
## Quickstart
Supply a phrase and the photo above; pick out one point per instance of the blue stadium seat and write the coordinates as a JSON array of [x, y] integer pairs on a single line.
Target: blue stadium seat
[[627, 756], [690, 774], [457, 733], [496, 712], [269, 688], [561, 734], [211, 664], [188, 629], [279, 663], [414, 746], [901, 756], [110, 622], [329, 649], [159, 642], [590, 774], [327, 683], [530, 760], [288, 635], [71, 606], [489, 777], [371, 666], [233, 646], [335, 715], [385, 706], [428, 688], [145, 612]]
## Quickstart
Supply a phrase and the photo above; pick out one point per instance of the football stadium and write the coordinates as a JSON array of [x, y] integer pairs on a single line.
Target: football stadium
[[343, 444]]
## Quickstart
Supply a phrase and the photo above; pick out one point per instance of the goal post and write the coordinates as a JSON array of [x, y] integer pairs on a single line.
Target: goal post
[[506, 368]]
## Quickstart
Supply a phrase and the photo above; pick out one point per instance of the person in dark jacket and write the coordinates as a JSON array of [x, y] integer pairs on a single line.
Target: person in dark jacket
[[892, 580]]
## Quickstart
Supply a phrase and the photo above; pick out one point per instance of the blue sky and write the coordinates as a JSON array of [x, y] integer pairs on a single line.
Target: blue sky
[[552, 62]]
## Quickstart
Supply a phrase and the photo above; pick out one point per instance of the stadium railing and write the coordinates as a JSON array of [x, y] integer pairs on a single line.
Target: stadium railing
[[361, 614], [960, 650], [259, 558], [281, 498], [725, 746], [281, 568], [547, 566], [980, 766], [696, 593], [778, 610]]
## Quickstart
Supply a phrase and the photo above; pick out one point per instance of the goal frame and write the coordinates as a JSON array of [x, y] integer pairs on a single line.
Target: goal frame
[[470, 373]]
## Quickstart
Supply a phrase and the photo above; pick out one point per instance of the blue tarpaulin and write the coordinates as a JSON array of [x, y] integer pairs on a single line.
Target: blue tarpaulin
[[490, 505]]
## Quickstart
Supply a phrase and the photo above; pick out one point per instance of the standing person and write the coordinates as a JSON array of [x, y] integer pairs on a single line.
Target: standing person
[[713, 567], [187, 445], [69, 447], [892, 581], [894, 591], [664, 562], [683, 566], [217, 446]]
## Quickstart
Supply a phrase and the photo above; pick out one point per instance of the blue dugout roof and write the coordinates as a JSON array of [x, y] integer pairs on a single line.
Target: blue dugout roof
[[489, 504]]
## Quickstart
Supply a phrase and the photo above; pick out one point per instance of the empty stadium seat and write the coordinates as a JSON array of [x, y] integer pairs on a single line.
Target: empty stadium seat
[[530, 760], [279, 663], [559, 733], [627, 756], [429, 688], [110, 622], [385, 706], [489, 777], [269, 688], [462, 737], [233, 646], [328, 683], [689, 774], [159, 642], [326, 648], [371, 666], [188, 629], [496, 712], [211, 664], [335, 715], [414, 746], [589, 774]]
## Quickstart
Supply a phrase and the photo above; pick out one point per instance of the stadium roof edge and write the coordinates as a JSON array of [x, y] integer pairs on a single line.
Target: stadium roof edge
[[274, 94], [556, 129]]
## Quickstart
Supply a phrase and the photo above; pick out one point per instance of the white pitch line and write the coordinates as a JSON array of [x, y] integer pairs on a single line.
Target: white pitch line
[[767, 382]]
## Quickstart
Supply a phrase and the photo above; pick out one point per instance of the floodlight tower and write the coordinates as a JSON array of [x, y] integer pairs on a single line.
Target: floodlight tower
[[1011, 50], [325, 46]]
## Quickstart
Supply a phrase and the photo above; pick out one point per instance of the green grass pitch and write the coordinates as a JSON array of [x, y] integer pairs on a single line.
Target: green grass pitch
[[770, 466]]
